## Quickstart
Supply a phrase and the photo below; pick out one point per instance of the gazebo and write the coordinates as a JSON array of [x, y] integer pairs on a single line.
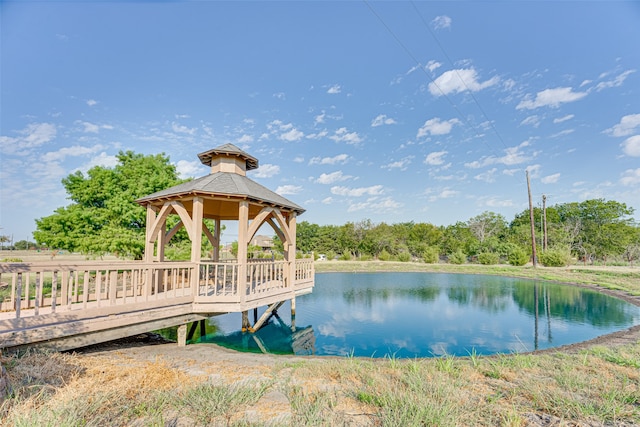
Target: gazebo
[[65, 305], [228, 194]]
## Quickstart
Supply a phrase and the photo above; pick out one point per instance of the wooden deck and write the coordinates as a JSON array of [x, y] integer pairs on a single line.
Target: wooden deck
[[68, 305]]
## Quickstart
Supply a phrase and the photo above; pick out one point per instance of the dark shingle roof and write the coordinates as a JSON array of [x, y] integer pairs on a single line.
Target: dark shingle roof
[[225, 183]]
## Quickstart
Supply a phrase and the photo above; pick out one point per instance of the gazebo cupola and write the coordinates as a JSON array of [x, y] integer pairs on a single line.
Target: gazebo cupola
[[228, 158]]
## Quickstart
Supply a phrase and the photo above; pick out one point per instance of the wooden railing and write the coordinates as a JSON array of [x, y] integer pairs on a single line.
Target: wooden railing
[[33, 289]]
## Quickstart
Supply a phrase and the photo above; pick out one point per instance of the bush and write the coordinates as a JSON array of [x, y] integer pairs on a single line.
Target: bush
[[556, 257], [366, 257], [431, 255], [404, 257], [384, 255], [517, 257], [346, 256], [458, 257], [488, 258], [331, 255]]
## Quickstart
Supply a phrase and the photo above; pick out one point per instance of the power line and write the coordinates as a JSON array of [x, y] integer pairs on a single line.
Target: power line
[[444, 52], [421, 67]]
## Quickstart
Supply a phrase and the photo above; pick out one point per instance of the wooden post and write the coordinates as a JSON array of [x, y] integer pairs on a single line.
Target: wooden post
[[149, 241], [292, 250], [243, 227], [216, 241], [196, 223], [531, 220], [246, 326], [182, 335], [162, 241]]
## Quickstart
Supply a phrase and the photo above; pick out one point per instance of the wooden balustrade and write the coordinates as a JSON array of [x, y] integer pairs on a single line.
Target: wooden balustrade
[[33, 289]]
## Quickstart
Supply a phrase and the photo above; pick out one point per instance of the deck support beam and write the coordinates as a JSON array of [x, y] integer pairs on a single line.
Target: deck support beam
[[266, 315]]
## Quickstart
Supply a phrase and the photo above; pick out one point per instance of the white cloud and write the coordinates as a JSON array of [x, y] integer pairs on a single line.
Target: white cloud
[[334, 89], [103, 159], [75, 151], [631, 146], [441, 22], [91, 127], [631, 177], [435, 158], [280, 95], [617, 81], [445, 193], [32, 136], [461, 80], [376, 204], [91, 102], [374, 190], [266, 171], [292, 135], [319, 118], [401, 164], [327, 200], [333, 177], [187, 169], [298, 159], [343, 135], [437, 127], [550, 179], [564, 118], [494, 202], [534, 170], [288, 189], [627, 125], [562, 133], [382, 119], [488, 176], [182, 129], [550, 98], [245, 139], [433, 65], [339, 159], [318, 135], [531, 120], [513, 156]]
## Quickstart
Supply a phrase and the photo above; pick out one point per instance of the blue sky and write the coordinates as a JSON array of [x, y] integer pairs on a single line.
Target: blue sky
[[389, 111]]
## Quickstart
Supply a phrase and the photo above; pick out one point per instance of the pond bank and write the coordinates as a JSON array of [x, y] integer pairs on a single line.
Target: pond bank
[[141, 383]]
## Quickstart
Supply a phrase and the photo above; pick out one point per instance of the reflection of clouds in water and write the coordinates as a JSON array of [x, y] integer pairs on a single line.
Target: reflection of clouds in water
[[331, 349], [341, 324], [440, 348]]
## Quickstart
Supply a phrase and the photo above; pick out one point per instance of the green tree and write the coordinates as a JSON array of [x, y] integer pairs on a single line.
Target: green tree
[[103, 217]]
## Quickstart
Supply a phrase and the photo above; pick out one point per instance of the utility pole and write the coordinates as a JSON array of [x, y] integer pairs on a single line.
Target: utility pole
[[544, 222], [533, 228]]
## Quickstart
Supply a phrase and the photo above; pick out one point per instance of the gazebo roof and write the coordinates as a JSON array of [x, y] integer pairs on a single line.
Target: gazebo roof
[[229, 185]]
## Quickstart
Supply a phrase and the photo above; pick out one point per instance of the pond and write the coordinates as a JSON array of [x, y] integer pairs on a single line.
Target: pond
[[407, 315]]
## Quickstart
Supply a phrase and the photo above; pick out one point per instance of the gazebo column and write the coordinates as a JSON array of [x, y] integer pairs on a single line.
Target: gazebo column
[[216, 241], [243, 231], [196, 232], [162, 241], [291, 257], [149, 241]]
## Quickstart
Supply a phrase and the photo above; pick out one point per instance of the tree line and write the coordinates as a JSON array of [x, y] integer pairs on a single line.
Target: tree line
[[592, 230], [103, 218]]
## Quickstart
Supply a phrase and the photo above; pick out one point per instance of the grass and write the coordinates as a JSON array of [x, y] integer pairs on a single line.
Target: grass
[[599, 385]]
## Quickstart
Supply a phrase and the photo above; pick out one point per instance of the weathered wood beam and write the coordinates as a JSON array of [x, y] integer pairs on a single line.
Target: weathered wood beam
[[266, 315]]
